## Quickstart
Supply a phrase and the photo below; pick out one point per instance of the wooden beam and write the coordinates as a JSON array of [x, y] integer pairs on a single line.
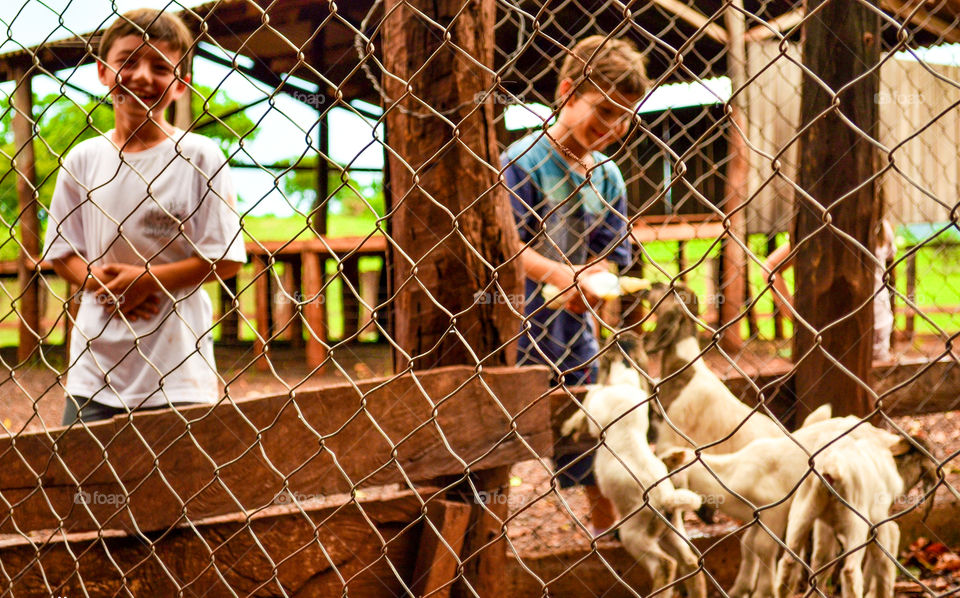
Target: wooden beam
[[836, 175], [780, 24], [947, 31], [162, 468], [262, 271], [305, 549], [695, 18], [918, 387], [440, 545], [25, 165], [450, 216], [898, 8]]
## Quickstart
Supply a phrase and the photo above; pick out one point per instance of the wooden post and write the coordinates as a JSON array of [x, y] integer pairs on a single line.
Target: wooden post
[[230, 317], [350, 302], [296, 322], [314, 310], [452, 223], [261, 286], [25, 164], [318, 216], [733, 274], [833, 275]]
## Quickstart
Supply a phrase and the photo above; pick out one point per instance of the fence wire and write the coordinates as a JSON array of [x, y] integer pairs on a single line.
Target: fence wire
[[278, 348]]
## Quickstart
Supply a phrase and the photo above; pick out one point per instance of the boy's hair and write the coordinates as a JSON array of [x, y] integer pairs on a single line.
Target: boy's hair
[[617, 65], [159, 25]]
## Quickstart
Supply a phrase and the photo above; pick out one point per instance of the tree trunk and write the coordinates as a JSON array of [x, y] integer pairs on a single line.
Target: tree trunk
[[835, 275], [457, 283], [454, 231]]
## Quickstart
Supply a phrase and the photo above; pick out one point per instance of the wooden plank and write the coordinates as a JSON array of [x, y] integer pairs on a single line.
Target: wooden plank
[[945, 30], [296, 323], [369, 291], [918, 387], [28, 306], [315, 309], [907, 388], [440, 545], [350, 302], [230, 320], [160, 467], [281, 550]]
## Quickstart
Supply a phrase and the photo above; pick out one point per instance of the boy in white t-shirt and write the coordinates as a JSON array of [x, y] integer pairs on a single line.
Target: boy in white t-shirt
[[141, 217]]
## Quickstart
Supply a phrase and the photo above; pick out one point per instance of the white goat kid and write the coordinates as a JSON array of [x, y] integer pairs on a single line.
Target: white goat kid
[[863, 472], [698, 405], [629, 474], [757, 481]]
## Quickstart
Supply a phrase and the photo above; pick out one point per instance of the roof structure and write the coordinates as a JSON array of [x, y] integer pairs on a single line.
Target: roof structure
[[316, 40]]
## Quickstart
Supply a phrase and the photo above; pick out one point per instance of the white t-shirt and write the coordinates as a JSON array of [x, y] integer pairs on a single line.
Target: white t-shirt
[[130, 208]]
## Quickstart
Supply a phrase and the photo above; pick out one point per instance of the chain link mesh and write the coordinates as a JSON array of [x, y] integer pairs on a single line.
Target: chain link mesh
[[370, 433]]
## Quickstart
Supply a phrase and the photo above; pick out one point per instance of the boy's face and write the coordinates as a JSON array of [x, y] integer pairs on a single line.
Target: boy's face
[[597, 119], [142, 76]]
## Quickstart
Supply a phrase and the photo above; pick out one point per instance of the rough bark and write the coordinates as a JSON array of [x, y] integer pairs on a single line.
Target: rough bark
[[835, 275], [452, 224]]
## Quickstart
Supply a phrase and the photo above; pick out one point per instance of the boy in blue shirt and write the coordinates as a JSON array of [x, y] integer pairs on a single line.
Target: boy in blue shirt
[[570, 204]]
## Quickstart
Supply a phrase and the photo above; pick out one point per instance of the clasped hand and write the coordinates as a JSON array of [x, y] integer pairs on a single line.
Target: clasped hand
[[125, 289]]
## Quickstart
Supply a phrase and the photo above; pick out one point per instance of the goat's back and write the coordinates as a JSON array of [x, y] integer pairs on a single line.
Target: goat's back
[[707, 412]]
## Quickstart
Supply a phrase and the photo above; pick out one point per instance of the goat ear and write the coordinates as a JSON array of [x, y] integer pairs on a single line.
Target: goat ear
[[676, 457], [901, 447], [821, 413], [668, 327]]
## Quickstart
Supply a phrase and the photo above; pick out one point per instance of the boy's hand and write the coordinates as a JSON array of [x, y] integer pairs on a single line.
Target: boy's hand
[[580, 300], [146, 310], [134, 290]]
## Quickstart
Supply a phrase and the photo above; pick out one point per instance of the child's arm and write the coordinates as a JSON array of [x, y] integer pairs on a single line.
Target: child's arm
[[561, 275], [136, 284]]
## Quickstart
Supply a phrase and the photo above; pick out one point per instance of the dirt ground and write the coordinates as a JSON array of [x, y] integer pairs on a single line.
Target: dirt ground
[[543, 519]]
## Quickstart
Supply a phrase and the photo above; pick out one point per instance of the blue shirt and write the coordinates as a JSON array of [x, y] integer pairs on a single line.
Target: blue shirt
[[565, 217]]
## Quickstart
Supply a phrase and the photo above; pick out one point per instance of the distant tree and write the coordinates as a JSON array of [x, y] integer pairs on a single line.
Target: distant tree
[[347, 197]]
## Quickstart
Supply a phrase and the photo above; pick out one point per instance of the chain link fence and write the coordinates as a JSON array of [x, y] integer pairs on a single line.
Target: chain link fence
[[387, 396]]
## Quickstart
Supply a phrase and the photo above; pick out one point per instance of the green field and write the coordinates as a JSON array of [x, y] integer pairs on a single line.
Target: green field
[[938, 278]]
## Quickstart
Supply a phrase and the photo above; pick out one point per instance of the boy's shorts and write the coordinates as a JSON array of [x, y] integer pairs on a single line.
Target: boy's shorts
[[578, 474], [88, 411]]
